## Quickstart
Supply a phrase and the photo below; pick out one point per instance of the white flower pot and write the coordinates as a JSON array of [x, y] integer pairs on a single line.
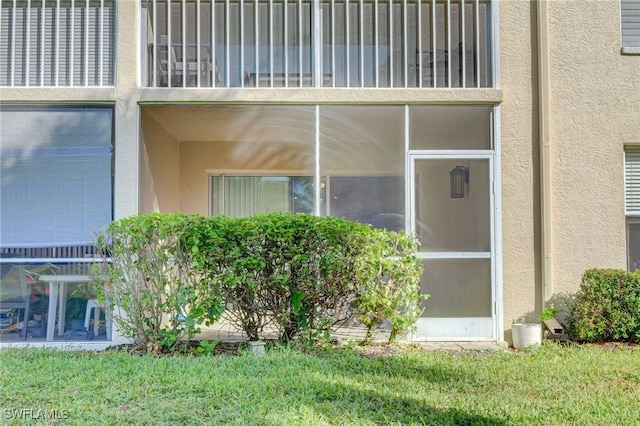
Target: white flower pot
[[526, 334]]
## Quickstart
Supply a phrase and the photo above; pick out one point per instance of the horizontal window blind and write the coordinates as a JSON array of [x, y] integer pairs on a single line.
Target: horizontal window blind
[[632, 182], [56, 186], [630, 14], [57, 43], [632, 206]]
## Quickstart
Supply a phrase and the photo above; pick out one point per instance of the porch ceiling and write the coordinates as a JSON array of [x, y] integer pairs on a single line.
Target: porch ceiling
[[235, 123]]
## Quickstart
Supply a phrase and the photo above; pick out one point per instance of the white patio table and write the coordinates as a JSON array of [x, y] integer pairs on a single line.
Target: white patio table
[[58, 294]]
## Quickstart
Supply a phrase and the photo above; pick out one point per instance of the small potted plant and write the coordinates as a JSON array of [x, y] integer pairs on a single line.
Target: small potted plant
[[548, 318], [76, 308]]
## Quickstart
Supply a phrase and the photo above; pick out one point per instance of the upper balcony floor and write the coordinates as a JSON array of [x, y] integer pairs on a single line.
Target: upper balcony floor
[[253, 43]]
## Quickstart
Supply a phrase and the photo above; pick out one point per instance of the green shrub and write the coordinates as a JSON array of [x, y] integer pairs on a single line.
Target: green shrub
[[549, 313], [294, 272], [392, 288], [226, 249], [607, 307], [158, 294], [299, 274]]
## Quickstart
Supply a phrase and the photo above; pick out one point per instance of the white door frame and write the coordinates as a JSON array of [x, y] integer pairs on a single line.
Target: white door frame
[[464, 328]]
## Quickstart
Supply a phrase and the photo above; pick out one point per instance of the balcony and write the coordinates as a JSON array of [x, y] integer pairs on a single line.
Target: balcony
[[326, 43]]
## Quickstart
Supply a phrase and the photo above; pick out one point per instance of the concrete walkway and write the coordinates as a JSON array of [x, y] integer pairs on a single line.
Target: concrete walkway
[[225, 331], [464, 347]]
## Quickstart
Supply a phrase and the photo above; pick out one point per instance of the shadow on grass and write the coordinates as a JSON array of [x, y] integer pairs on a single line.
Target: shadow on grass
[[282, 388], [386, 390], [404, 404], [364, 405]]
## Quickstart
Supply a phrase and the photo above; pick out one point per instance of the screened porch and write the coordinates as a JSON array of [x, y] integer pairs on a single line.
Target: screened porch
[[56, 194], [243, 160], [326, 43], [384, 165]]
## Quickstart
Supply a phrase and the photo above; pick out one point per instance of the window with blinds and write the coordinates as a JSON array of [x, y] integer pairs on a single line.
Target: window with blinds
[[321, 43], [632, 181], [632, 206], [57, 42], [56, 188], [630, 26], [243, 196]]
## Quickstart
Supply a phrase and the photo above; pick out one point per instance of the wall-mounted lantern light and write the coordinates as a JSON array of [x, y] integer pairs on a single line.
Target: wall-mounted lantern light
[[459, 177]]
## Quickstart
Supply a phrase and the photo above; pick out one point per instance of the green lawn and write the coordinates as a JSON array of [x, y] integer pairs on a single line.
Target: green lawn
[[548, 385]]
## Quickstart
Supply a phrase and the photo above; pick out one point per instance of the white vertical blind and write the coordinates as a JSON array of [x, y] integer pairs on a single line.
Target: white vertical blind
[[56, 175], [248, 195]]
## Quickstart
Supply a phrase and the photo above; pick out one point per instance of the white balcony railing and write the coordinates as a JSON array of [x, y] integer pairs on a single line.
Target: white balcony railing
[[318, 43], [57, 42]]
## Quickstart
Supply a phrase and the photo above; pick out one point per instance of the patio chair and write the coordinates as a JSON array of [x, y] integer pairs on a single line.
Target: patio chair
[[95, 307], [20, 292], [16, 295], [172, 67]]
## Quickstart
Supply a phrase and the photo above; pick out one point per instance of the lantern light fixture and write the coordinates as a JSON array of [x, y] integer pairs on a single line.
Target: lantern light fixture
[[459, 178]]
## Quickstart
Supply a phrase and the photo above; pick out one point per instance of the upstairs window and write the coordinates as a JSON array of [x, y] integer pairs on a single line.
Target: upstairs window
[[326, 43], [630, 26], [57, 43]]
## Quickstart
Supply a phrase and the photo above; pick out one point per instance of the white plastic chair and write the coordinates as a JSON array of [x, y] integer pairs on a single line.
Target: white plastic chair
[[93, 306]]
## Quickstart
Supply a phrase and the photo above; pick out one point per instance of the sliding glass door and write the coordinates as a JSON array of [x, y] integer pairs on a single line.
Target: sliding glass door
[[242, 196]]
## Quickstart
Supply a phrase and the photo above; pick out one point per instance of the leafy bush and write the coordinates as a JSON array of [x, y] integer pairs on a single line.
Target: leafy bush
[[151, 280], [607, 307], [294, 272], [548, 313], [392, 291], [299, 274]]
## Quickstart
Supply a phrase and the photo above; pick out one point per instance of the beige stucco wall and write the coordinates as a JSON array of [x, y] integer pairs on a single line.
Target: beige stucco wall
[[159, 175], [594, 110], [520, 204], [127, 120]]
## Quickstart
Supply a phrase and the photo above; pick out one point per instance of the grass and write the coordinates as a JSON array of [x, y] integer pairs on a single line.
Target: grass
[[548, 385]]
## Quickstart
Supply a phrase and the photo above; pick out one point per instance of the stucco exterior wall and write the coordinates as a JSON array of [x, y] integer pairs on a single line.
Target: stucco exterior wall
[[520, 182], [159, 168], [595, 110], [127, 119]]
